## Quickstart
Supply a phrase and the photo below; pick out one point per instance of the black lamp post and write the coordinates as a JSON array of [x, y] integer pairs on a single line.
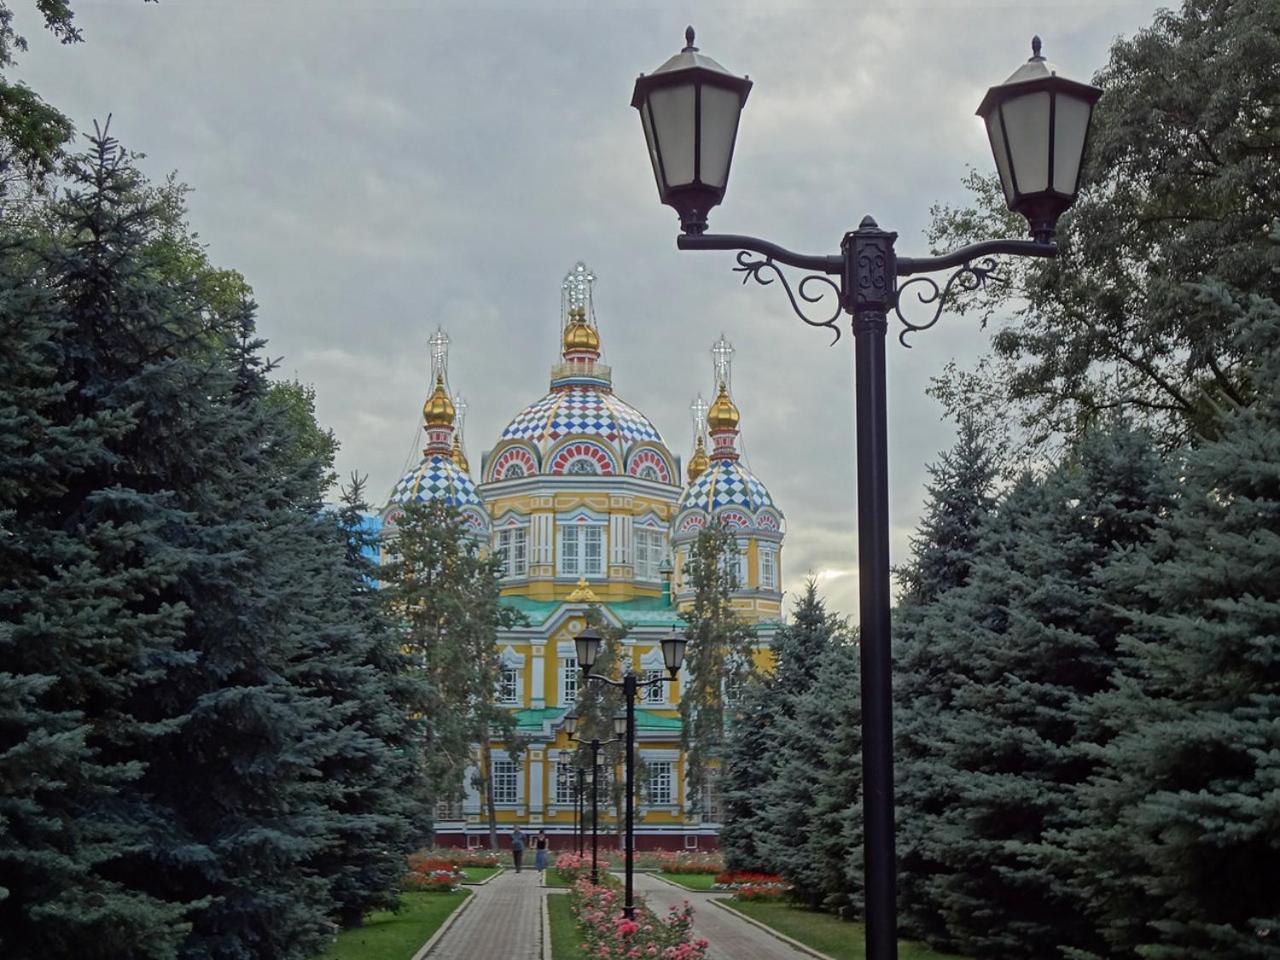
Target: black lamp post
[[588, 647], [570, 726], [1038, 125]]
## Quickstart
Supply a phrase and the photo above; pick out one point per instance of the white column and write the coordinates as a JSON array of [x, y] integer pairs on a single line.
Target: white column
[[538, 693], [536, 768]]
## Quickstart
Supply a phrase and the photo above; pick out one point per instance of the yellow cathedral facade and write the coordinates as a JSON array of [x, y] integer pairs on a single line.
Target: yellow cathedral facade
[[586, 505]]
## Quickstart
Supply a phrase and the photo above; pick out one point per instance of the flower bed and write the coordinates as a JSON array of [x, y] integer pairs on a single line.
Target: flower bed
[[571, 868], [609, 935], [747, 885], [461, 857], [688, 861]]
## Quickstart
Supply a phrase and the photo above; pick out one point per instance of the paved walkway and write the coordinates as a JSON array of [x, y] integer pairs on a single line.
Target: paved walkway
[[731, 938], [504, 922]]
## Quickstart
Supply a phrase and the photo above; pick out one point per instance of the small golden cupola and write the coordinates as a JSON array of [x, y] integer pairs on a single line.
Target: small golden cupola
[[438, 411], [698, 463], [579, 336], [723, 417]]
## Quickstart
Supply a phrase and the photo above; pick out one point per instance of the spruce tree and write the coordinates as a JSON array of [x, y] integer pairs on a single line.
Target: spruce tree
[[960, 499], [1041, 639], [831, 873], [745, 772], [795, 761], [1178, 852]]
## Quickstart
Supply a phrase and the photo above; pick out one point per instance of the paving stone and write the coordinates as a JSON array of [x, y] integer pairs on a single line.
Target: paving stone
[[731, 937], [504, 922]]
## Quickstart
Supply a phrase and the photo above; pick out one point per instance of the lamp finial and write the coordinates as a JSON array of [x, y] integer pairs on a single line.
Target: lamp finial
[[1035, 48], [688, 39]]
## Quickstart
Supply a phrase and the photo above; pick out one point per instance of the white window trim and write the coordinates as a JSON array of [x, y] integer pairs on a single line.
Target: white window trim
[[501, 757]]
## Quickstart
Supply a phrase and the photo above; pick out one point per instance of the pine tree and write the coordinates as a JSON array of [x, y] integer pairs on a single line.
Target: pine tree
[[1178, 851], [795, 759], [1040, 638], [831, 873], [745, 771], [719, 657], [960, 500], [375, 704]]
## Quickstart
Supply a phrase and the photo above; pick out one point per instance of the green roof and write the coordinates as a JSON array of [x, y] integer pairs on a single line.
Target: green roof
[[639, 612], [533, 721]]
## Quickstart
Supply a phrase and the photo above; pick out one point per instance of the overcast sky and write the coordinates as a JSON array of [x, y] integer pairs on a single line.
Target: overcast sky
[[377, 168]]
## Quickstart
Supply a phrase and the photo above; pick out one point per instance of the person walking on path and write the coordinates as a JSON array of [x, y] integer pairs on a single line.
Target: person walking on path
[[517, 847], [540, 851]]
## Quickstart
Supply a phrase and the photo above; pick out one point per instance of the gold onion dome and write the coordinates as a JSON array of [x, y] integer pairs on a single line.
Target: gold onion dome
[[723, 415], [699, 462], [459, 457], [578, 335], [438, 410]]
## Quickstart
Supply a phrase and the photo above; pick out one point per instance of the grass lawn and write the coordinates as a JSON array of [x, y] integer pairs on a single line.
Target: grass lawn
[[476, 874], [693, 881], [396, 936], [564, 932], [552, 878], [826, 933]]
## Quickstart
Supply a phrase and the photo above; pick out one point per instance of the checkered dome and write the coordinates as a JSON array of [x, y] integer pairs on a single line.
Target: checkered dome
[[437, 477], [726, 483], [582, 411]]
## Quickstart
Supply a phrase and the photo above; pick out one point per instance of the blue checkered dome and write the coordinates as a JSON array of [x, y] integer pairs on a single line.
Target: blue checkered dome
[[583, 411], [437, 477], [726, 483]]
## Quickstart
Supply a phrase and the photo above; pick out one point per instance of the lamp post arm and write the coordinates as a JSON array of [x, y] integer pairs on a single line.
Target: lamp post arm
[[987, 248], [733, 241]]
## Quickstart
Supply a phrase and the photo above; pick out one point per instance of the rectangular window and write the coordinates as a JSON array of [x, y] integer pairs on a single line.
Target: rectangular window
[[509, 685], [768, 567], [566, 781], [506, 782], [661, 786], [568, 681], [513, 550], [582, 551], [593, 551], [648, 554], [656, 693]]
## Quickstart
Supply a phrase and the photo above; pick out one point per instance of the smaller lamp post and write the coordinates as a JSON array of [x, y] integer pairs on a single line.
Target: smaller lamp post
[[571, 726], [579, 824], [587, 644]]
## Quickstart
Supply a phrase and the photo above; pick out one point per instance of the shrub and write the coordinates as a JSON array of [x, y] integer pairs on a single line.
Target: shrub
[[608, 935]]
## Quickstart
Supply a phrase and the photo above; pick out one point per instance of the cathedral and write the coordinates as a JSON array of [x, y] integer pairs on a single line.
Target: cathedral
[[587, 505]]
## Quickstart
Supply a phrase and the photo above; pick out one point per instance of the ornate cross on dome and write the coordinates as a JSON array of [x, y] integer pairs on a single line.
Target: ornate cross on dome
[[722, 358], [699, 410], [460, 413], [439, 342], [576, 290]]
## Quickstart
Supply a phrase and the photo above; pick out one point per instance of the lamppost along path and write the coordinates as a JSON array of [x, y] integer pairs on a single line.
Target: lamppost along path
[[587, 644], [620, 728], [1038, 123]]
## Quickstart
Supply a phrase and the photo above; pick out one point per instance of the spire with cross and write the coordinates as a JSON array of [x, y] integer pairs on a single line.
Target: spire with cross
[[722, 359], [439, 343]]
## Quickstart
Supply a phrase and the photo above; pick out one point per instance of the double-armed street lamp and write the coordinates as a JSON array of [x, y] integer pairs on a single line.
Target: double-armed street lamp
[[1038, 123], [619, 728], [587, 644]]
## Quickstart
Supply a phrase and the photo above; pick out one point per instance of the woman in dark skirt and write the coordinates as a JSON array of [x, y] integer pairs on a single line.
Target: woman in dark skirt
[[540, 851]]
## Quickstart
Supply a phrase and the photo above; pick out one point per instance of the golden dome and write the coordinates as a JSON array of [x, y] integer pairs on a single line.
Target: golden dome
[[723, 415], [438, 410], [699, 462], [459, 457], [578, 335]]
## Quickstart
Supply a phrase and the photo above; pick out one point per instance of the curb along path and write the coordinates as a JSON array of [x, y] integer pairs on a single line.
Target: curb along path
[[731, 937], [504, 923]]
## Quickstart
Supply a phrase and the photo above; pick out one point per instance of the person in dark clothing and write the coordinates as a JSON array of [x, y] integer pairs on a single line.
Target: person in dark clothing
[[517, 847], [540, 850]]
